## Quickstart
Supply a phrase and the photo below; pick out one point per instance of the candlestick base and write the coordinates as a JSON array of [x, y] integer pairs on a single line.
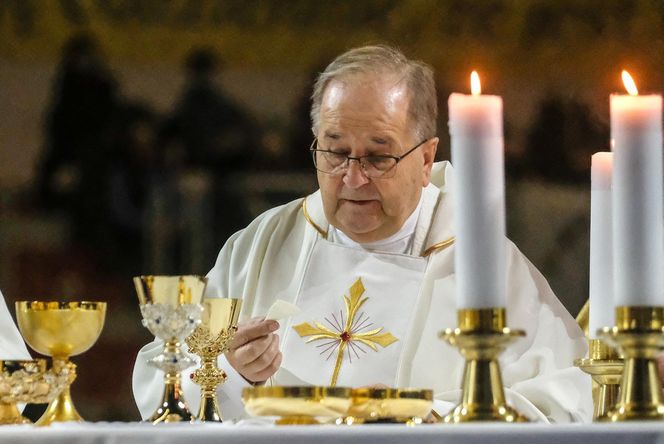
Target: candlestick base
[[481, 336], [605, 367], [639, 334]]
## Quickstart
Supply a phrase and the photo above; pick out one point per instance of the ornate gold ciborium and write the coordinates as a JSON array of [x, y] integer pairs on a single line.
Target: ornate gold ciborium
[[26, 381], [171, 310], [481, 336], [605, 367], [61, 330], [639, 335], [297, 405], [209, 340]]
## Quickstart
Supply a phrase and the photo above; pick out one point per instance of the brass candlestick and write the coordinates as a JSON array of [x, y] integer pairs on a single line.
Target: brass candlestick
[[209, 340], [61, 330], [639, 334], [171, 310], [480, 337], [605, 367]]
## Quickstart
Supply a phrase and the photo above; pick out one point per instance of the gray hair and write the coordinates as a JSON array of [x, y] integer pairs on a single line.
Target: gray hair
[[382, 59]]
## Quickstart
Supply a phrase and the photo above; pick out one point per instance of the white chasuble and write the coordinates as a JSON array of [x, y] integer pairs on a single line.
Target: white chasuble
[[357, 308]]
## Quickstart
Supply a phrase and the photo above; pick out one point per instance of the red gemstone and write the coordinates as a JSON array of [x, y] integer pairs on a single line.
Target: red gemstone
[[345, 336]]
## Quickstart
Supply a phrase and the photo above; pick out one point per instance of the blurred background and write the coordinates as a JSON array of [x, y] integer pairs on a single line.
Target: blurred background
[[137, 135]]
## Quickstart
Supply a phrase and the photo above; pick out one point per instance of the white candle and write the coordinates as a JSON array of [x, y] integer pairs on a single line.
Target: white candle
[[601, 244], [638, 252], [476, 130]]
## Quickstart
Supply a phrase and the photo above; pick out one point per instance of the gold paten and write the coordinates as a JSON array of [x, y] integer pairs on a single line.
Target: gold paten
[[351, 333], [481, 337], [639, 334], [299, 404], [61, 330], [171, 310], [605, 367], [389, 405], [209, 340]]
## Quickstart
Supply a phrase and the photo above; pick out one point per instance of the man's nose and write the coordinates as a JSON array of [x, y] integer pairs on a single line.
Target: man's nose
[[354, 176]]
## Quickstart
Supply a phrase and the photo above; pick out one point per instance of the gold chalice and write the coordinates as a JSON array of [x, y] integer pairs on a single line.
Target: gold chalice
[[171, 310], [26, 381], [297, 405], [61, 330], [209, 340]]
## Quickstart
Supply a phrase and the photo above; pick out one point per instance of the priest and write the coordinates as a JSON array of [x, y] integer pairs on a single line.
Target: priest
[[369, 261]]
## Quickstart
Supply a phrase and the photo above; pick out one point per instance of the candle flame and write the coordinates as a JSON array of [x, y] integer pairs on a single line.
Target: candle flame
[[475, 86], [629, 84]]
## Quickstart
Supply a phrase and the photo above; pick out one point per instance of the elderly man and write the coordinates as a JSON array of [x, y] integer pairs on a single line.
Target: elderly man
[[369, 260]]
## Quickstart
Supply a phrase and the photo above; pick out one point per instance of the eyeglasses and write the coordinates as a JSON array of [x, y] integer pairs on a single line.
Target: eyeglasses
[[373, 165]]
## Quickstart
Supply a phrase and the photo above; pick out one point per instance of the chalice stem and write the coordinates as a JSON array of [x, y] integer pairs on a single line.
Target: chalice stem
[[209, 409], [172, 407], [60, 409]]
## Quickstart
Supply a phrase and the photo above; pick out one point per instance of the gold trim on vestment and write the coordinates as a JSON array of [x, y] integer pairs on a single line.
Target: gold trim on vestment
[[310, 220], [438, 246], [435, 247]]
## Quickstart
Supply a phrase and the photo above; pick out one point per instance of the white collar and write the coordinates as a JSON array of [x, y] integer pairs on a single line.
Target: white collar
[[399, 242]]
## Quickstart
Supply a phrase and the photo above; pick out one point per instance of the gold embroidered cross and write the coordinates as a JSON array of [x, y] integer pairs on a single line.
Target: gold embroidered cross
[[346, 334]]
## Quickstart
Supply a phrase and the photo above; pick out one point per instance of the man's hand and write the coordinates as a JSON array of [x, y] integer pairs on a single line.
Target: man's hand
[[254, 351]]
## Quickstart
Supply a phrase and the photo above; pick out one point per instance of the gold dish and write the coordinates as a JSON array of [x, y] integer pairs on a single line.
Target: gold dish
[[297, 404], [26, 381], [399, 405], [61, 330]]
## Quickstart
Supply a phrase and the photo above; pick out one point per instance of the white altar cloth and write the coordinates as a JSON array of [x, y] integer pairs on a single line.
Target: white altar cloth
[[103, 433]]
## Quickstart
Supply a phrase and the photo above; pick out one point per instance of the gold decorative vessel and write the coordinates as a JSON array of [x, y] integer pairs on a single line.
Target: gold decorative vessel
[[209, 340], [61, 330], [297, 404], [28, 382], [389, 405], [171, 310], [639, 335], [605, 367], [481, 336]]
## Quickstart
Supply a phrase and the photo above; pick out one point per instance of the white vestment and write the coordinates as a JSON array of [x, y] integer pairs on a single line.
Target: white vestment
[[11, 342], [279, 254]]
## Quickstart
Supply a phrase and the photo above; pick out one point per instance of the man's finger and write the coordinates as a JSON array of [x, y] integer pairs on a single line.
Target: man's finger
[[250, 351], [263, 359], [248, 333]]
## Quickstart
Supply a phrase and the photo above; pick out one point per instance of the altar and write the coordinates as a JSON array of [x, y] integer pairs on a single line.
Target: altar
[[106, 433]]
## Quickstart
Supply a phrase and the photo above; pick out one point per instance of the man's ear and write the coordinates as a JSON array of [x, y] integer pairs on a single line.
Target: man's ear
[[429, 153]]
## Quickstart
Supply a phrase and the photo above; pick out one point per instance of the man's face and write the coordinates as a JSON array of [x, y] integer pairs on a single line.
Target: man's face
[[363, 115]]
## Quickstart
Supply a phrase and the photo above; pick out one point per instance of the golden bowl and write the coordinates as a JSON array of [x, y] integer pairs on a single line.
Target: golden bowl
[[26, 381], [297, 404], [390, 404], [170, 290], [60, 329]]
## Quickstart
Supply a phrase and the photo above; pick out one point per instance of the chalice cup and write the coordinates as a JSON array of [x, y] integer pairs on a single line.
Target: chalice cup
[[171, 309], [61, 330], [208, 341], [28, 382]]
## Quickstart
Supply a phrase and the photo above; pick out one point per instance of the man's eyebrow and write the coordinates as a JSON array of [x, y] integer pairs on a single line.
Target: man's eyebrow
[[331, 135], [381, 140]]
